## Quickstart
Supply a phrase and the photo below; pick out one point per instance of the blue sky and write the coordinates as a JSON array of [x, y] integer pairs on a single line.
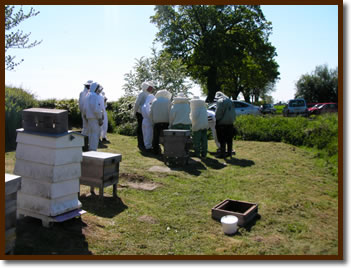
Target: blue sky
[[102, 43]]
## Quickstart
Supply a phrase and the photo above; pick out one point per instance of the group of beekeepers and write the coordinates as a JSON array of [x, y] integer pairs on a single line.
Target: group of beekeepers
[[92, 104], [157, 112]]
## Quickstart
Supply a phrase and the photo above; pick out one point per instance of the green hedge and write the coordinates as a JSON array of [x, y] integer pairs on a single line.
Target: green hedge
[[16, 100], [318, 132]]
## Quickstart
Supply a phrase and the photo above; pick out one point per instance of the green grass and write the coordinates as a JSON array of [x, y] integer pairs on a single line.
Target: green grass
[[297, 198]]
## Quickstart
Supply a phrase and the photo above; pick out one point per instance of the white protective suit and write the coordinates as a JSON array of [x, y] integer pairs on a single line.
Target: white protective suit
[[94, 114], [180, 111], [105, 124], [212, 124], [160, 107], [82, 98], [198, 114], [147, 123], [142, 96]]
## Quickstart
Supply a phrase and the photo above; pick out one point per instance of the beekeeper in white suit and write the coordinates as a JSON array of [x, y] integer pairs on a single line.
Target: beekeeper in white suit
[[147, 87], [159, 115], [147, 125], [95, 116], [105, 124], [82, 97]]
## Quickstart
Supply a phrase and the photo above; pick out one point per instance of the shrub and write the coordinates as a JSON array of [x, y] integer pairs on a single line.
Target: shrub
[[74, 115], [16, 100], [319, 132], [123, 115], [112, 128], [49, 103]]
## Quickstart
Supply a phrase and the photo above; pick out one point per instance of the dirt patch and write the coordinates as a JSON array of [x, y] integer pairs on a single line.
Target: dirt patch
[[147, 219], [160, 169], [136, 181]]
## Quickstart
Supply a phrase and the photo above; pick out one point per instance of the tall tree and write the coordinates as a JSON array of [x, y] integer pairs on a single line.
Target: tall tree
[[16, 39], [214, 41], [319, 86], [165, 72]]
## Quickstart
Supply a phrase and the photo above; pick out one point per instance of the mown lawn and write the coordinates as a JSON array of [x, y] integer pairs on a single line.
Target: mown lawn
[[298, 206]]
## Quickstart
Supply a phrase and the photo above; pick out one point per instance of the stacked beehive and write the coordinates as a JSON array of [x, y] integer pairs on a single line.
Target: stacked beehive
[[48, 158], [12, 185], [176, 145], [100, 169]]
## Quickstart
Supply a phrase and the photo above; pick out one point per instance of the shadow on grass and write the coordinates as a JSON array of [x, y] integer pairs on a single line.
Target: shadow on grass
[[247, 226], [63, 238], [239, 162], [108, 207]]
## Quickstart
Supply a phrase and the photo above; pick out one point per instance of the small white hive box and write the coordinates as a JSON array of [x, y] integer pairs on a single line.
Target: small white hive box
[[100, 169], [12, 185], [50, 168]]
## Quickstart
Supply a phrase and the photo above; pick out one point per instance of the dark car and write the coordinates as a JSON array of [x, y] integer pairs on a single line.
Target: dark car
[[330, 107], [267, 109]]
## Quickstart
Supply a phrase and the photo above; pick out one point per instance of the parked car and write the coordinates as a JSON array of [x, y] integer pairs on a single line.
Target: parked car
[[296, 107], [267, 109], [330, 107], [241, 108], [314, 107]]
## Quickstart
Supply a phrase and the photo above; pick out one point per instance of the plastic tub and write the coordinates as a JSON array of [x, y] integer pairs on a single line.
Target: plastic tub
[[229, 224]]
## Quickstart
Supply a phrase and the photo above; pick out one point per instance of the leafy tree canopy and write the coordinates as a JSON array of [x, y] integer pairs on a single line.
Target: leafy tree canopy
[[319, 86], [223, 47], [166, 73], [16, 39]]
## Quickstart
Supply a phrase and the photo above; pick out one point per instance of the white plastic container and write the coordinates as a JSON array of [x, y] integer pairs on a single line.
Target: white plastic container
[[229, 224]]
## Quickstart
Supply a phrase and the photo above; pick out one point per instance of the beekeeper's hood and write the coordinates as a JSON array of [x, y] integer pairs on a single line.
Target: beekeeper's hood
[[94, 86], [180, 98], [197, 102], [220, 95], [163, 94], [88, 83], [145, 85], [149, 99]]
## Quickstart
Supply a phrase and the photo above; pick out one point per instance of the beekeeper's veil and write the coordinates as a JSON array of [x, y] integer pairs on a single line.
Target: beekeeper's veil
[[163, 94]]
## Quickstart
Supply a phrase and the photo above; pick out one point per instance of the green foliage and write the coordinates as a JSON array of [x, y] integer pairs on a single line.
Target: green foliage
[[165, 72], [49, 103], [111, 127], [71, 105], [16, 39], [16, 100], [320, 132], [224, 47], [319, 86], [122, 114]]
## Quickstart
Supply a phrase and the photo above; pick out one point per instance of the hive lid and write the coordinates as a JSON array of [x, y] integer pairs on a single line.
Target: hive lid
[[49, 134]]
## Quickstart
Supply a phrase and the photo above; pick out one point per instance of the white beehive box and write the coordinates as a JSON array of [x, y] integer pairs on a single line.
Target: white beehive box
[[12, 185], [50, 166], [49, 190], [48, 207]]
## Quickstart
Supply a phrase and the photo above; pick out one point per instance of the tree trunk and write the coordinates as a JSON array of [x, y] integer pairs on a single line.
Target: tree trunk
[[212, 86]]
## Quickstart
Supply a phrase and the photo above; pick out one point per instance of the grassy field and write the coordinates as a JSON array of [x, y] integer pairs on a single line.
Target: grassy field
[[162, 211]]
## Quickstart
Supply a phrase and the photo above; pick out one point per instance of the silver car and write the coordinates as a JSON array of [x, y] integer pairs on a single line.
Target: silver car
[[241, 107], [296, 107]]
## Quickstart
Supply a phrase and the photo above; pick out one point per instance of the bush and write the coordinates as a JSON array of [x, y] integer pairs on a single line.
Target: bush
[[16, 100], [112, 128], [123, 115], [320, 132], [74, 115], [49, 103]]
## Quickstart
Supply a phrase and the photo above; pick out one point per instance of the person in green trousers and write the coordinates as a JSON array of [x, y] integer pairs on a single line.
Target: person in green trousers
[[198, 116]]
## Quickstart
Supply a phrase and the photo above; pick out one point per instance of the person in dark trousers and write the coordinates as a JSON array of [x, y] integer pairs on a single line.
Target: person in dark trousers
[[147, 87], [159, 115], [225, 117]]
